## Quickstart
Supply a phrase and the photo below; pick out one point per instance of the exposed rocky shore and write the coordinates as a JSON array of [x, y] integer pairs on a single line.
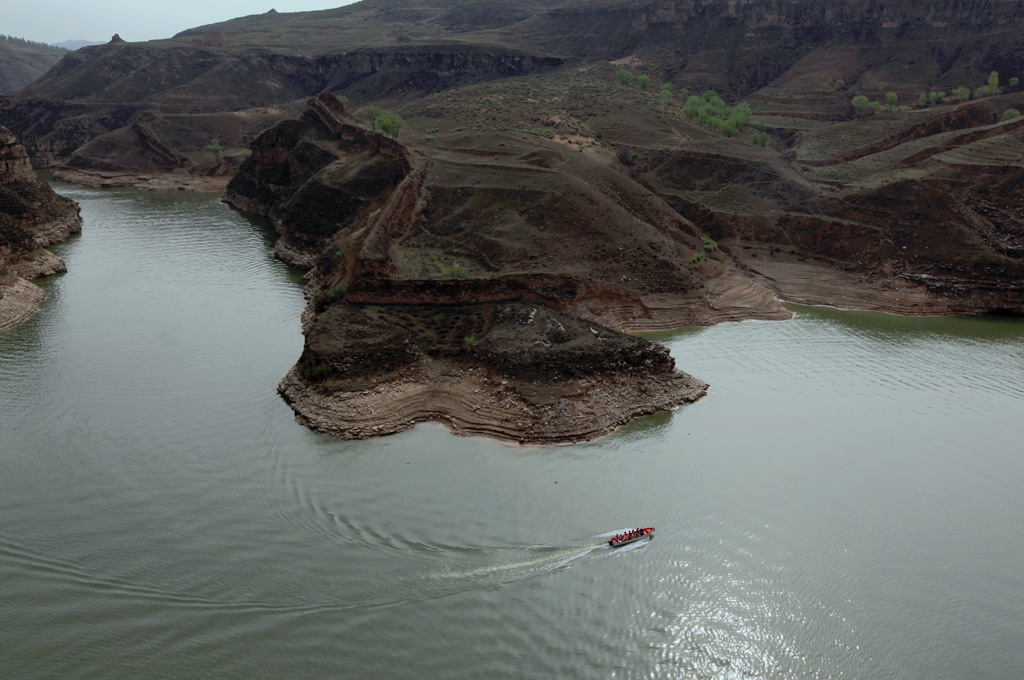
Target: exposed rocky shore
[[556, 188], [32, 216], [414, 319]]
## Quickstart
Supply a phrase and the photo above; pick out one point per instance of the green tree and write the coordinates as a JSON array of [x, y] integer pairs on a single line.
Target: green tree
[[625, 77], [993, 83], [760, 138], [666, 96], [644, 82], [891, 98], [216, 149], [372, 113], [391, 123], [860, 103], [933, 97], [1011, 113], [961, 94], [923, 99], [693, 106], [668, 87], [1014, 82]]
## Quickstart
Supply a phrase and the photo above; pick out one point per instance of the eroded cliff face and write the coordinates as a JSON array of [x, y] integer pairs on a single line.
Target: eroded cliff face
[[943, 235], [32, 217], [478, 293], [104, 91], [742, 45]]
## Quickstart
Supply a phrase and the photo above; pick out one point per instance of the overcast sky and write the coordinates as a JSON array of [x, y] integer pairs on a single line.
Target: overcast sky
[[53, 21]]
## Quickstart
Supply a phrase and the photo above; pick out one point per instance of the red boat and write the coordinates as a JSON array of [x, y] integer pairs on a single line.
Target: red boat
[[630, 537]]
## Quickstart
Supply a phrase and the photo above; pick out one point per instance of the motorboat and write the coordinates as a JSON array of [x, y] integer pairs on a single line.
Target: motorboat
[[630, 537]]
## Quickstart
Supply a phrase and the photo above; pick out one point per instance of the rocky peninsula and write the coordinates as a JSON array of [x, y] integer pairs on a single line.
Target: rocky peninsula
[[569, 173], [488, 291], [32, 216]]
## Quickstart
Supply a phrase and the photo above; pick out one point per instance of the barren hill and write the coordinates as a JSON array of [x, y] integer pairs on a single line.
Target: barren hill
[[568, 171], [22, 62]]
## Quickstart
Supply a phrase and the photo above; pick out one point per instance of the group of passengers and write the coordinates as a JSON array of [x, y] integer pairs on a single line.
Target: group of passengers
[[628, 535]]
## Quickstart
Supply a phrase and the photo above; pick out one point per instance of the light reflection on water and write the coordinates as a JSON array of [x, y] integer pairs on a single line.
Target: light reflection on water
[[843, 504]]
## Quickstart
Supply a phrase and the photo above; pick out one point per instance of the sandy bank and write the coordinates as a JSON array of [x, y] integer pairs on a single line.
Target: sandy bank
[[473, 401], [808, 282], [148, 181], [19, 302]]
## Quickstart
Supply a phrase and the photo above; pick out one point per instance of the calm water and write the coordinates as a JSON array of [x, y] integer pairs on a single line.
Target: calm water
[[847, 502]]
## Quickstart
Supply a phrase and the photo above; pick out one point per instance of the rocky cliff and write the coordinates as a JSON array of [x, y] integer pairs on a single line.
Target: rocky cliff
[[101, 92], [32, 217], [742, 45], [478, 291]]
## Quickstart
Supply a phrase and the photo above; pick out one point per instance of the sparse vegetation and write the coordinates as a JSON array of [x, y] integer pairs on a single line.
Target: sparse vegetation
[[624, 76], [961, 94], [31, 43], [373, 113], [644, 82], [216, 149], [890, 99], [454, 271], [316, 373], [470, 341], [1010, 113], [1014, 82], [711, 111], [391, 123], [760, 139], [710, 245]]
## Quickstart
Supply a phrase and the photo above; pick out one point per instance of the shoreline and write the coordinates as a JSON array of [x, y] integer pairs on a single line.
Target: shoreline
[[147, 181], [474, 401], [471, 400], [19, 303], [814, 284]]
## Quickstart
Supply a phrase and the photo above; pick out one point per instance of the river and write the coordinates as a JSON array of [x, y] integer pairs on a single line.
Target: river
[[847, 501]]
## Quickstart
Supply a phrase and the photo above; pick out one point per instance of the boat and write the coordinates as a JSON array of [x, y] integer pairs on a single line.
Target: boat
[[629, 537]]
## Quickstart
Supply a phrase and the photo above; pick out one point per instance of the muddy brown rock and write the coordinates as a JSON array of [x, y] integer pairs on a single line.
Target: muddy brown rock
[[32, 216], [478, 294]]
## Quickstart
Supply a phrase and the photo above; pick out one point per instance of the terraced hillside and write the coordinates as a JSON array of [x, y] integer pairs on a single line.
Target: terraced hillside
[[565, 172]]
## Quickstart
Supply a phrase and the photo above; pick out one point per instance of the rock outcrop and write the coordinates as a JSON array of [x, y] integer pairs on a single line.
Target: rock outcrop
[[32, 216], [477, 293], [114, 86]]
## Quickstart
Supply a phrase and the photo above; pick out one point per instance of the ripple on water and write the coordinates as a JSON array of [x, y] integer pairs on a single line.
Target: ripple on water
[[846, 486]]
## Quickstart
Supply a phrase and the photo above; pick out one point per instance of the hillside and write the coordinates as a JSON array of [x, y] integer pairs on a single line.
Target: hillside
[[591, 167], [22, 62]]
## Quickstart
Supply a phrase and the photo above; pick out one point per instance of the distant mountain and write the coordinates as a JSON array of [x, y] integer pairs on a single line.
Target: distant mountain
[[23, 61], [72, 45]]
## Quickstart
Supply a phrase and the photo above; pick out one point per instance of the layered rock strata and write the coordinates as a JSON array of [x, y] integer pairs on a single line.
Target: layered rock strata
[[32, 216], [478, 293]]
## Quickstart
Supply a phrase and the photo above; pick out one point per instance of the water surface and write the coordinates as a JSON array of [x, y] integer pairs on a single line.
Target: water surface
[[845, 503]]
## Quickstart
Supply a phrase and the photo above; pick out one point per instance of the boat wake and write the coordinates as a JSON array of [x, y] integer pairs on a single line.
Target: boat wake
[[481, 567]]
